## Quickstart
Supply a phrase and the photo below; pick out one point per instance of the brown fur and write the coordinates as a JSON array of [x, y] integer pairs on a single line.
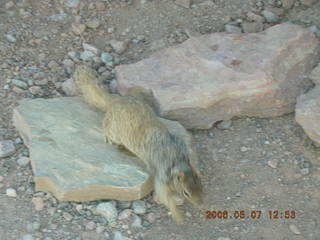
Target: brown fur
[[131, 123]]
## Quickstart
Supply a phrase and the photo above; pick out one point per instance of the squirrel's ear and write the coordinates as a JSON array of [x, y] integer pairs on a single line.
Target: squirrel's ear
[[181, 175]]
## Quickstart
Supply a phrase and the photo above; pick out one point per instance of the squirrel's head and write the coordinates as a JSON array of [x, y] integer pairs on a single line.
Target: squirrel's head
[[188, 185]]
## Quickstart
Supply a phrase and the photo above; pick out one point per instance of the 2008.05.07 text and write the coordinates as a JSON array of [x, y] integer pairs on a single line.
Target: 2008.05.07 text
[[251, 214]]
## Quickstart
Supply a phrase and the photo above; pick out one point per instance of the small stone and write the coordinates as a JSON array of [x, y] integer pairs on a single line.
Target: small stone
[[119, 46], [36, 90], [313, 29], [10, 192], [67, 216], [100, 6], [78, 28], [232, 29], [118, 236], [19, 83], [255, 17], [226, 124], [1, 178], [107, 210], [100, 229], [9, 5], [223, 238], [86, 55], [293, 228], [308, 3], [124, 204], [111, 30], [287, 4], [23, 161], [188, 214], [90, 226], [27, 237], [90, 48], [137, 222], [139, 207], [73, 55], [1, 185], [269, 16], [151, 217], [38, 203], [304, 171], [93, 23], [11, 38], [36, 226], [183, 3], [243, 149], [106, 57], [273, 163], [58, 17], [252, 27], [125, 214], [7, 148], [72, 3], [69, 87], [53, 65], [17, 89]]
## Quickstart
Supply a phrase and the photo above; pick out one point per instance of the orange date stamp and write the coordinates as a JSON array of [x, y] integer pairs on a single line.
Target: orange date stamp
[[251, 214]]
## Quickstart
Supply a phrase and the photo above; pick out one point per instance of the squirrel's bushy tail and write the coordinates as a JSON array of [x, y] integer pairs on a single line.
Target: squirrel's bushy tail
[[86, 80]]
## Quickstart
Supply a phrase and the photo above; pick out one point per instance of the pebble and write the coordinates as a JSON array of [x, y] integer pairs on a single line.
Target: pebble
[[7, 148], [36, 90], [243, 149], [19, 83], [90, 226], [58, 17], [139, 207], [10, 192], [293, 228], [119, 46], [313, 29], [151, 217], [287, 4], [125, 214], [232, 29], [124, 204], [69, 87], [1, 185], [224, 124], [11, 38], [269, 16], [67, 216], [273, 163], [106, 57], [100, 229], [38, 203], [90, 48], [252, 27], [85, 55], [107, 210], [78, 28], [9, 5], [183, 3], [1, 178], [223, 238], [72, 3], [23, 161], [137, 222], [304, 171], [93, 23], [308, 3], [27, 237], [255, 17], [118, 236], [100, 6]]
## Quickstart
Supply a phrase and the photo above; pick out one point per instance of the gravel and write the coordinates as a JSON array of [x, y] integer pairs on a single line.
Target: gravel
[[7, 148], [107, 210]]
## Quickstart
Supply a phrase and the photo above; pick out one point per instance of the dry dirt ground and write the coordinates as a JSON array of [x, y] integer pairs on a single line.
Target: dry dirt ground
[[254, 166]]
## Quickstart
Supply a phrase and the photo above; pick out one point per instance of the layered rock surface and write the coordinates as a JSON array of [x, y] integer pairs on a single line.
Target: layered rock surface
[[216, 77], [69, 156]]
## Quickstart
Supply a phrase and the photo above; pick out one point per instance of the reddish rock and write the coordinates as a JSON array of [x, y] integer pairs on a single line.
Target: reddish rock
[[216, 77]]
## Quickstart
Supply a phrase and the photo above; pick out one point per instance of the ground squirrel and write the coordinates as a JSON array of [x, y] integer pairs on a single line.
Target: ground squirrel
[[131, 123]]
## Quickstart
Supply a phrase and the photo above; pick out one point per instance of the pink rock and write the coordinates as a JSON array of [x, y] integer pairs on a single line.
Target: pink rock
[[216, 77]]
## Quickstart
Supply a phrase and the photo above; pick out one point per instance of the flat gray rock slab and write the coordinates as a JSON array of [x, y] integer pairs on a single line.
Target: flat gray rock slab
[[222, 75], [70, 157]]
